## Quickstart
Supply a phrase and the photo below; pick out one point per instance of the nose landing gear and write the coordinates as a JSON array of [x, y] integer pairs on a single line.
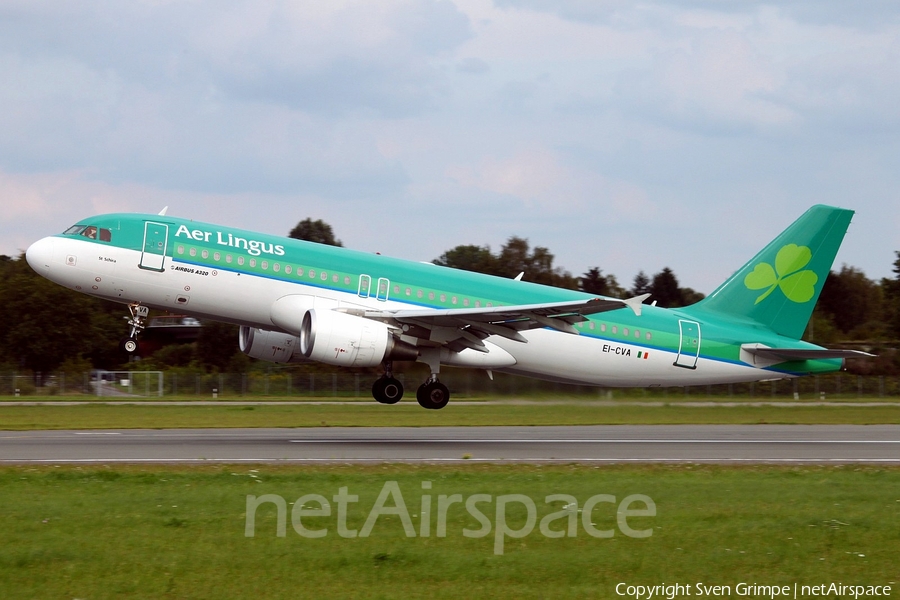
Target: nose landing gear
[[138, 315]]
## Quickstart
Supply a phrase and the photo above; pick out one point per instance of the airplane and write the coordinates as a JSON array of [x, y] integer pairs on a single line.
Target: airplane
[[298, 301]]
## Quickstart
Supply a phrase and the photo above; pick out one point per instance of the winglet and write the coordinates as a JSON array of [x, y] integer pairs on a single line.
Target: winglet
[[519, 276], [636, 303], [162, 213]]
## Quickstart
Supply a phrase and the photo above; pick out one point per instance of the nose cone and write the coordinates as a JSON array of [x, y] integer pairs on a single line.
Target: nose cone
[[39, 255]]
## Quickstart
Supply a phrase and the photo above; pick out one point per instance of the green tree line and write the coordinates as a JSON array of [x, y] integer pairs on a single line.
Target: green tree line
[[45, 327]]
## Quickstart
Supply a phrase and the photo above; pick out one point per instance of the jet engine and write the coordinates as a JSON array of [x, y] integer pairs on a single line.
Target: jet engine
[[270, 345], [344, 340]]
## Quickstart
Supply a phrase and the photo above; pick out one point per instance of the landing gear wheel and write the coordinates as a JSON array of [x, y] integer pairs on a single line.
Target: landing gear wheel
[[129, 345], [139, 314], [433, 395], [387, 390]]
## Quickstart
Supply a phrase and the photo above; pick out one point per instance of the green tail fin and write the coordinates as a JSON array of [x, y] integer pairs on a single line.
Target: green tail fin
[[780, 286]]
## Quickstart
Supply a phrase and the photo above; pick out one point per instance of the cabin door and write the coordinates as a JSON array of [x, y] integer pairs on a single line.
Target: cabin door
[[689, 346], [156, 238]]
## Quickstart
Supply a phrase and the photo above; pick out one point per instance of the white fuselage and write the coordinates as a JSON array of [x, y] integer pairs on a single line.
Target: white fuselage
[[112, 273]]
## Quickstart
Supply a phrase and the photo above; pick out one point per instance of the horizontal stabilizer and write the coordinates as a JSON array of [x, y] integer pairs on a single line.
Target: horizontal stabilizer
[[764, 356]]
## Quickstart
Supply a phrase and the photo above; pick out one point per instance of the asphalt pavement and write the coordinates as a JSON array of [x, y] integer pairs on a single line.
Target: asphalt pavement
[[877, 444]]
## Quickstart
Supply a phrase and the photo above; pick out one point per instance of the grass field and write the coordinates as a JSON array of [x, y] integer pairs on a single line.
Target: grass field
[[179, 532], [101, 416]]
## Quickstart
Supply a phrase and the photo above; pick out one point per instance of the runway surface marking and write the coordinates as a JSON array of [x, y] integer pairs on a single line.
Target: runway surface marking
[[584, 441], [453, 460]]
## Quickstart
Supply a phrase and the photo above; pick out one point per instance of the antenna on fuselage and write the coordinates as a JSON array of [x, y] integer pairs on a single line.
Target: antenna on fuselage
[[162, 213]]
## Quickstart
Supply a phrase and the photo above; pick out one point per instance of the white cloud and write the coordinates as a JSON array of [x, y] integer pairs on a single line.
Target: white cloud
[[710, 77], [543, 182], [608, 132]]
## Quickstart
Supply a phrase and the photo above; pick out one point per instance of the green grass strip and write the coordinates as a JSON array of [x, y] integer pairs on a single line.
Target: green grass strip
[[99, 416], [179, 532]]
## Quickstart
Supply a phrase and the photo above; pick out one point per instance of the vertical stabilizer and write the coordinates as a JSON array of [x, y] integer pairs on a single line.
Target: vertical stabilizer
[[780, 286]]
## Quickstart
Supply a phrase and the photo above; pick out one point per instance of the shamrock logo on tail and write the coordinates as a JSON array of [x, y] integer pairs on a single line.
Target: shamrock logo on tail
[[798, 285]]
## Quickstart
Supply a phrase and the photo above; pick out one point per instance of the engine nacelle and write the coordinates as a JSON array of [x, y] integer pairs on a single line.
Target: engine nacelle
[[270, 345], [336, 338]]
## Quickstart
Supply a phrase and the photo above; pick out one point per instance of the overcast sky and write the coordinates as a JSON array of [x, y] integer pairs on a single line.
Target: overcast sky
[[628, 136]]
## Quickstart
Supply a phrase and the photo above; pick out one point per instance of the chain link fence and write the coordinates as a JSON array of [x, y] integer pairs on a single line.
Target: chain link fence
[[462, 383]]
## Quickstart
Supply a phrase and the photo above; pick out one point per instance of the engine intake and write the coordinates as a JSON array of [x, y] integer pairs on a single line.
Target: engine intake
[[270, 345]]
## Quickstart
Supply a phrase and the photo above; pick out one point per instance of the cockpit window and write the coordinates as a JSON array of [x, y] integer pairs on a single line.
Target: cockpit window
[[90, 231]]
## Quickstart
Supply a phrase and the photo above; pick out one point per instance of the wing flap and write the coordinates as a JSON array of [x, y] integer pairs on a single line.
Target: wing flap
[[467, 327], [510, 314]]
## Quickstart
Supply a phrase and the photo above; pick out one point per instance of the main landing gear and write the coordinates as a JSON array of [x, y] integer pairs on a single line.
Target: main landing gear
[[432, 394], [386, 388], [138, 315]]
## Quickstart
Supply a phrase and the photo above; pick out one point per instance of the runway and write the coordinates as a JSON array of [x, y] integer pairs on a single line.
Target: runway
[[877, 444]]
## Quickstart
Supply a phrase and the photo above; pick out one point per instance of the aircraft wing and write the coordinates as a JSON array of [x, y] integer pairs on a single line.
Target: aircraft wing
[[460, 328]]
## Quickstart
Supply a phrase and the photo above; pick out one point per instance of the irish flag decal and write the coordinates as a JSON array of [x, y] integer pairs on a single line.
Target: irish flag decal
[[643, 355]]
